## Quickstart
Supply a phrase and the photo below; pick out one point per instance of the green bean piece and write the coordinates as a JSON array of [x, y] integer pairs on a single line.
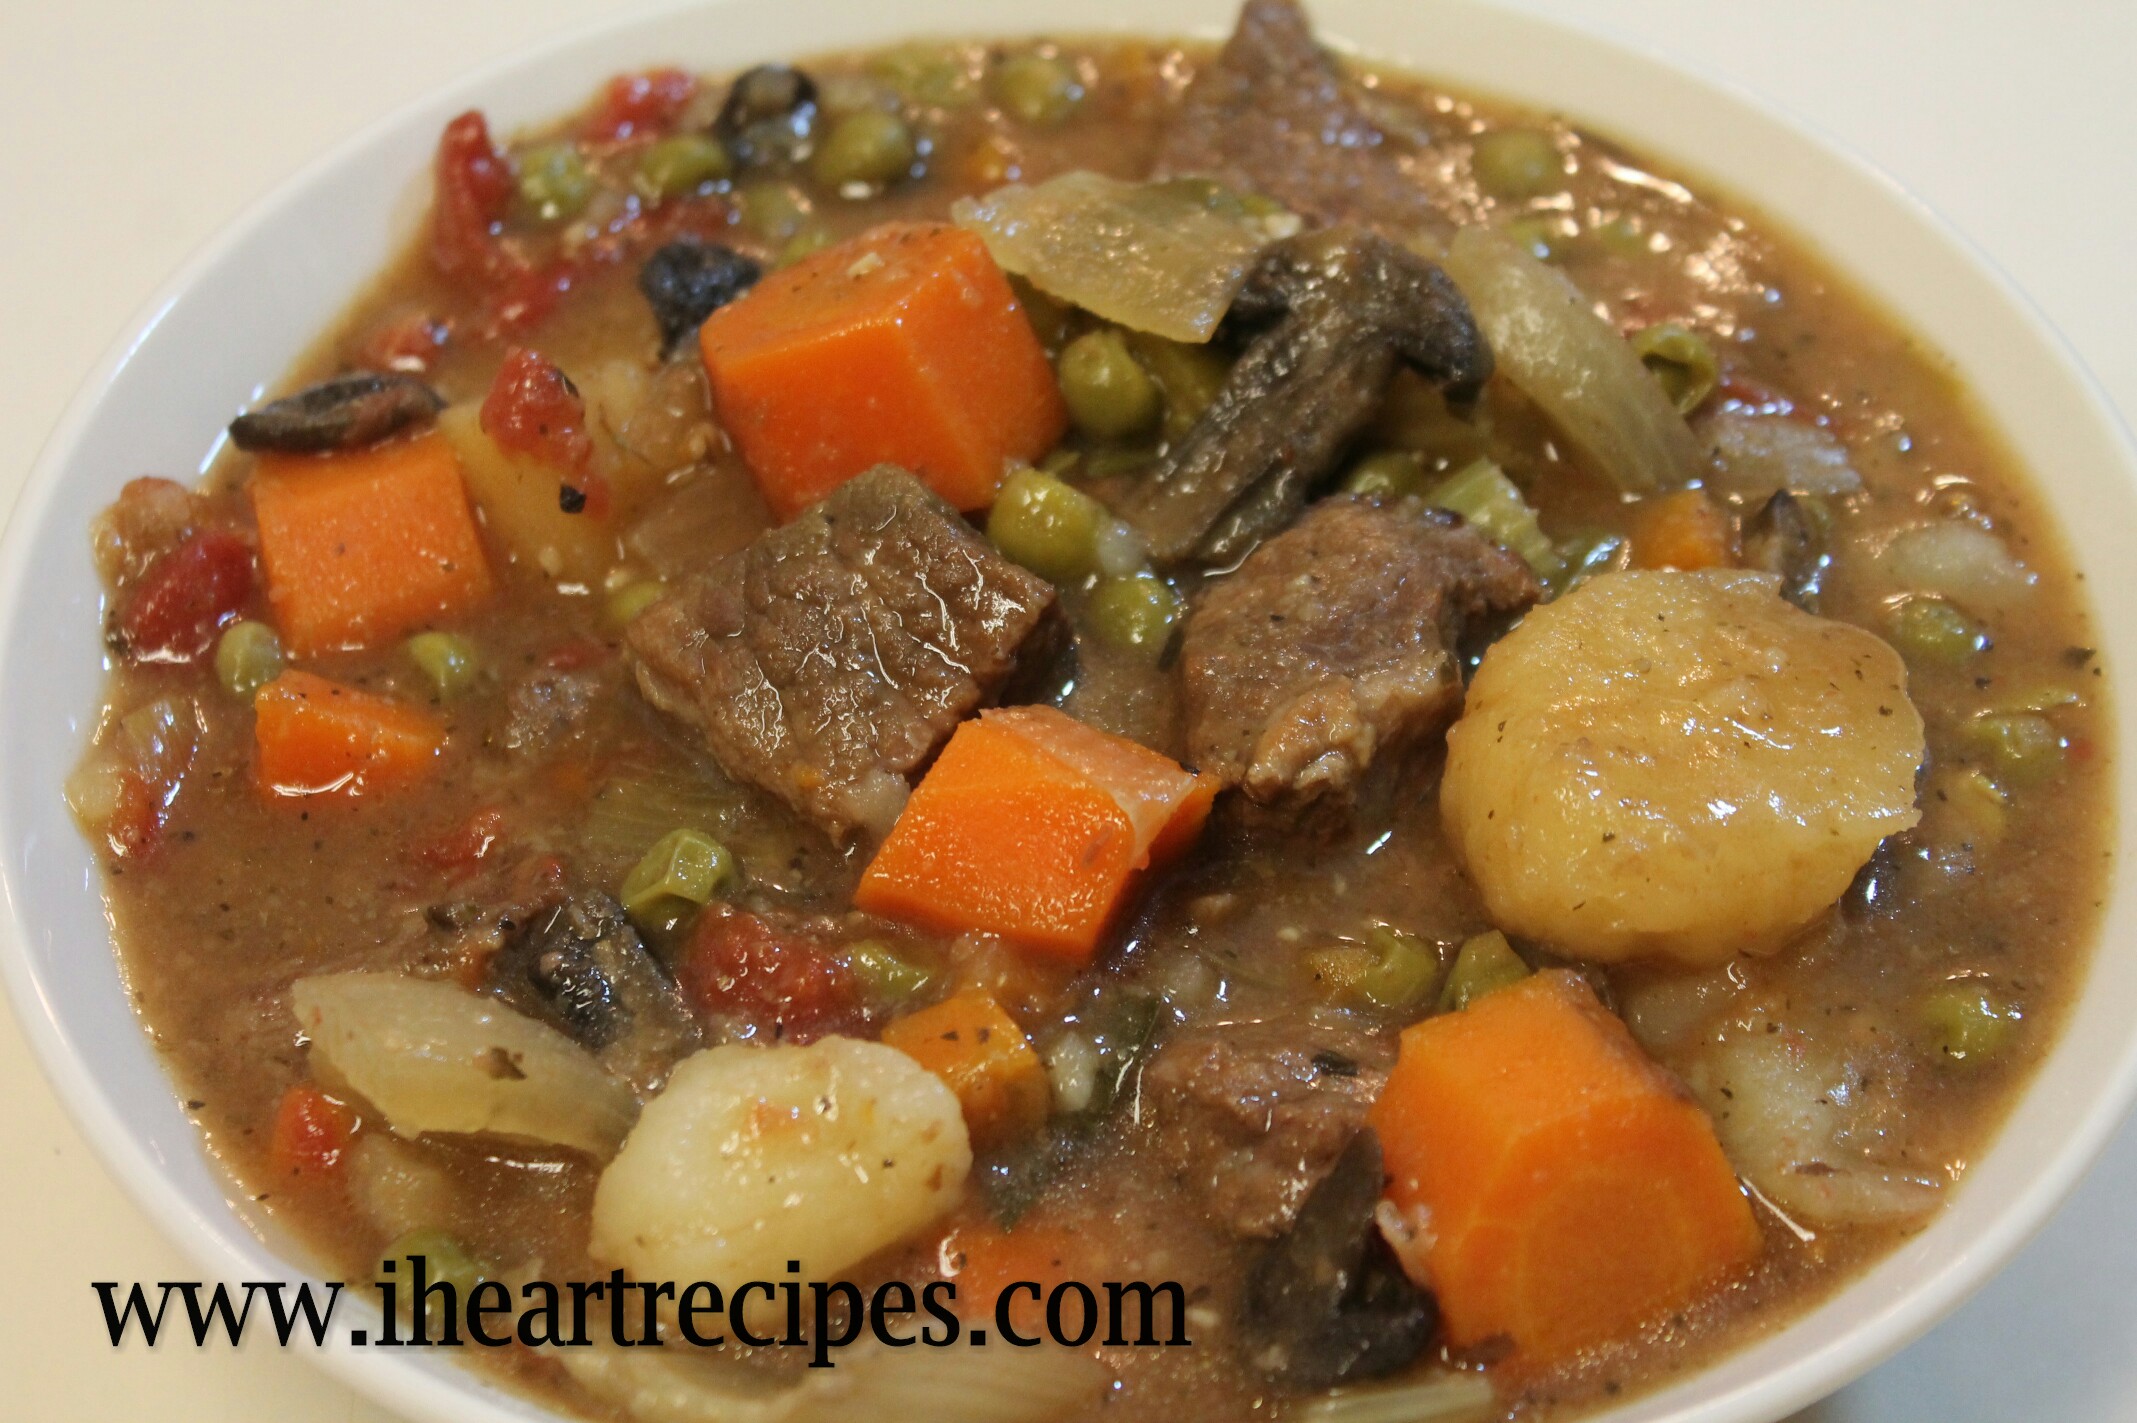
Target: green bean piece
[[1188, 378], [1484, 965], [1681, 360], [1049, 527], [887, 976], [448, 659], [686, 865], [1482, 494], [247, 657], [2023, 748], [444, 1259], [554, 184], [934, 76], [1583, 556], [870, 148], [1516, 163], [1036, 89], [1136, 613], [1387, 474], [680, 164], [1968, 1021], [1930, 629], [771, 210], [1110, 396], [626, 603]]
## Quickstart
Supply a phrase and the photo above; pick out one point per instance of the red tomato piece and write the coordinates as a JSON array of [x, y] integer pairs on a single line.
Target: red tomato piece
[[474, 186], [770, 982], [312, 1134], [641, 105], [136, 825], [186, 596], [533, 409], [459, 850]]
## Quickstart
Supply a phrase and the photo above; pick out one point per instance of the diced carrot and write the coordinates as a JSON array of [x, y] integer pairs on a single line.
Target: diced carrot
[[311, 1134], [366, 545], [984, 1260], [904, 345], [1683, 531], [316, 737], [1035, 827], [977, 1048], [1565, 1187]]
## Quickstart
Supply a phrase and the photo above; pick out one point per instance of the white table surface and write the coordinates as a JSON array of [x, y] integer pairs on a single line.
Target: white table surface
[[131, 130]]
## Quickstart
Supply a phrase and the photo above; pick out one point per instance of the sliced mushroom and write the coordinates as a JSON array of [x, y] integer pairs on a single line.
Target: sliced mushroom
[[1343, 306], [582, 968], [687, 281], [1784, 537], [769, 114], [345, 413], [1327, 1303]]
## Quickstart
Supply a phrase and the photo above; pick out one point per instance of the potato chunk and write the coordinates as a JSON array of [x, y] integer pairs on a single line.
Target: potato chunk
[[1677, 765], [754, 1156]]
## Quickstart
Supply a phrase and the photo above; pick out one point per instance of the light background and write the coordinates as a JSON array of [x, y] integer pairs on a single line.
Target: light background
[[131, 130]]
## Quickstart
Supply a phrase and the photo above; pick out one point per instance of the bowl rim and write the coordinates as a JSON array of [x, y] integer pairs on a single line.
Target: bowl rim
[[223, 1244]]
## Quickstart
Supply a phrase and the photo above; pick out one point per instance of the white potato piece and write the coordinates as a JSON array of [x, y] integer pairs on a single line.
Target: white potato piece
[[432, 1056], [1677, 765], [754, 1156]]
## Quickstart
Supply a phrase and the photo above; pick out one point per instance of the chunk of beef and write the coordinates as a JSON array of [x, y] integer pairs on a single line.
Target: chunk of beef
[[547, 707], [1253, 1115], [1343, 307], [1274, 115], [579, 965], [345, 413], [830, 659], [1334, 646]]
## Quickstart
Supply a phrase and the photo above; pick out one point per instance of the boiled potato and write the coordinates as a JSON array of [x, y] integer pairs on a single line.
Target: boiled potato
[[754, 1156], [1678, 766]]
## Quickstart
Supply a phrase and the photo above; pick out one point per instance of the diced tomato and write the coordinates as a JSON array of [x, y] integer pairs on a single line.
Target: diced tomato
[[312, 1134], [474, 186], [186, 596], [641, 105], [533, 409], [459, 850], [768, 982]]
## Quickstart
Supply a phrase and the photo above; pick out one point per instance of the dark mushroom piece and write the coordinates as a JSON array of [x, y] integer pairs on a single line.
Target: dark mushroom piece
[[687, 280], [1327, 1303], [769, 116], [580, 967], [1344, 306], [1783, 537], [345, 413]]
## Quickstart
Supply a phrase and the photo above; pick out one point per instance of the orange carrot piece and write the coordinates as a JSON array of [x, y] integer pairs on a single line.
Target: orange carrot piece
[[1684, 531], [977, 1048], [984, 1260], [1035, 827], [904, 345], [311, 1134], [364, 546], [1567, 1188], [316, 737]]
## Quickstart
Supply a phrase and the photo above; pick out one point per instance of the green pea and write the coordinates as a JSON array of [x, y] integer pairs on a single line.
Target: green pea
[[887, 976], [929, 75], [554, 183], [1136, 613], [686, 865], [2023, 747], [1968, 1021], [1404, 971], [1387, 474], [681, 163], [1681, 360], [772, 211], [1516, 163], [870, 147], [1484, 965], [626, 603], [1110, 396], [1037, 89], [1541, 236], [444, 1259], [1932, 629], [448, 659], [247, 657], [1047, 526]]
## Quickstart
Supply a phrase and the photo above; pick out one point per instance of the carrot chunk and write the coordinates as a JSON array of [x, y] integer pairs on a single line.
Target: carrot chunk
[[315, 737], [312, 1132], [986, 1261], [905, 346], [366, 545], [1035, 827], [977, 1048], [1682, 531], [1565, 1188]]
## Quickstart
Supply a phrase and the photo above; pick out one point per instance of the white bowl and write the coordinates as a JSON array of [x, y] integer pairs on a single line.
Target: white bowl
[[244, 309]]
